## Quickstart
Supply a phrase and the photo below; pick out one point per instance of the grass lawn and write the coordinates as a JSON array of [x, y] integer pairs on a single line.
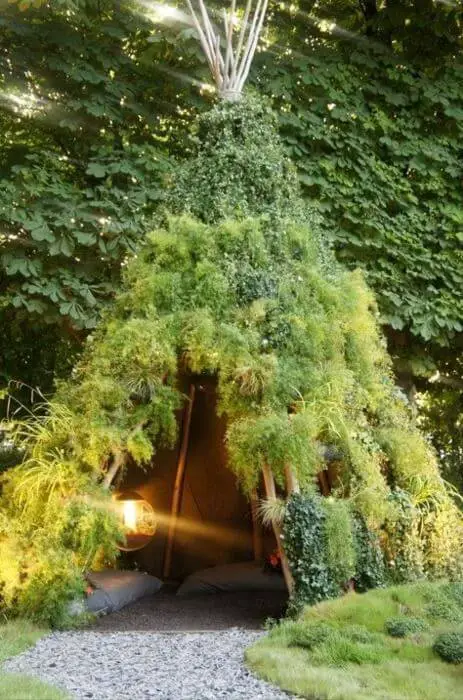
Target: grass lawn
[[340, 650], [15, 637]]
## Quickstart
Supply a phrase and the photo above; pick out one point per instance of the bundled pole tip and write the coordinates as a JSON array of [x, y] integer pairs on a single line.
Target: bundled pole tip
[[231, 67]]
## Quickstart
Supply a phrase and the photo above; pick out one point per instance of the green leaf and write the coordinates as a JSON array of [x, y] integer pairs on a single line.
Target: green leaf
[[42, 233], [96, 169]]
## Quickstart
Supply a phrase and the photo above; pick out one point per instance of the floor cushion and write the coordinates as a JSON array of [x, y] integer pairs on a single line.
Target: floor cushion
[[112, 590], [244, 576]]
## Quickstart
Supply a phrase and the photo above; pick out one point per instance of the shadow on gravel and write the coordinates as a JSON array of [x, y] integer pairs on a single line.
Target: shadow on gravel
[[166, 612]]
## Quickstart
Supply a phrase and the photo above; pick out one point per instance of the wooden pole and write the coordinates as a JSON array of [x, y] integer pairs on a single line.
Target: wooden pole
[[270, 492], [292, 483], [324, 485], [257, 539], [179, 481], [110, 475]]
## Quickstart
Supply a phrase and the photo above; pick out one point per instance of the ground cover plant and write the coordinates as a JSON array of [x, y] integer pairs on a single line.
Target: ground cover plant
[[16, 637], [348, 648]]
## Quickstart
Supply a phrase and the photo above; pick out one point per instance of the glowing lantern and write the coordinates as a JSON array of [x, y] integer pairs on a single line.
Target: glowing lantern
[[137, 518]]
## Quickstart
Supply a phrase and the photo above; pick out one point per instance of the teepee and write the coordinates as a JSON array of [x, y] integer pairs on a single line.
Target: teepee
[[237, 286]]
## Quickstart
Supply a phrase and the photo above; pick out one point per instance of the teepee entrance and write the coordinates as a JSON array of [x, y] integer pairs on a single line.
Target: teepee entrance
[[204, 519]]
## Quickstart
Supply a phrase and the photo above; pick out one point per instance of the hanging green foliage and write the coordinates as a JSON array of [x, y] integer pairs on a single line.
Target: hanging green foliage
[[246, 290], [370, 570], [304, 537]]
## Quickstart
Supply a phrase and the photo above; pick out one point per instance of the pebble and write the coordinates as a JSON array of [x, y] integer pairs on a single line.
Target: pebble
[[147, 665]]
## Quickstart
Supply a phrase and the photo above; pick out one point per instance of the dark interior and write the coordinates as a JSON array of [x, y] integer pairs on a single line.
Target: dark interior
[[215, 522]]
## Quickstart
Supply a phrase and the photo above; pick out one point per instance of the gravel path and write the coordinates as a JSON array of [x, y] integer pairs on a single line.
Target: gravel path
[[167, 612], [147, 665]]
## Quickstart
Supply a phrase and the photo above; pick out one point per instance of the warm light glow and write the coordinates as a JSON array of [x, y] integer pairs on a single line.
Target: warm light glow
[[129, 514], [138, 520]]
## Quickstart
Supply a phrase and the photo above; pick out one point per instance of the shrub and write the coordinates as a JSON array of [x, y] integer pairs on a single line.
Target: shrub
[[445, 602], [330, 645], [444, 610], [405, 626], [449, 646]]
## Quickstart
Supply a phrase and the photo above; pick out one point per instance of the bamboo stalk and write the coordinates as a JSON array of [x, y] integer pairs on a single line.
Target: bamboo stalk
[[252, 50], [270, 492], [218, 56], [230, 73], [229, 58], [209, 30], [241, 38], [249, 40], [202, 36], [207, 26], [179, 482]]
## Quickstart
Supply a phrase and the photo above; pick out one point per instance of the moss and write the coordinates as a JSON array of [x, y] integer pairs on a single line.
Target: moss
[[340, 649]]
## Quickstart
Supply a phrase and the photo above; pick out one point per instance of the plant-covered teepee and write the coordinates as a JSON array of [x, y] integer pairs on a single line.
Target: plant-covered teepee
[[237, 284]]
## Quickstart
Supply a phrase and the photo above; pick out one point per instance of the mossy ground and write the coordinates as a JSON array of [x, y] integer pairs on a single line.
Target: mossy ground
[[339, 650], [16, 637]]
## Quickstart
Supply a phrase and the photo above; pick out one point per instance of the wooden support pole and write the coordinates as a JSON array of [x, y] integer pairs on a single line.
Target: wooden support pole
[[257, 538], [324, 485], [270, 492], [179, 481], [292, 483], [111, 474]]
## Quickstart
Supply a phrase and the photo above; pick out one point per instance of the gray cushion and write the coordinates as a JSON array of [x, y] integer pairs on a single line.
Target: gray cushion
[[244, 576], [99, 602], [115, 589]]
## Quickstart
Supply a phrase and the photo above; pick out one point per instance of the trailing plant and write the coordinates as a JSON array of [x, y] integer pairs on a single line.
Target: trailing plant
[[370, 570], [56, 522], [259, 301], [304, 538], [421, 536], [404, 546], [339, 539]]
